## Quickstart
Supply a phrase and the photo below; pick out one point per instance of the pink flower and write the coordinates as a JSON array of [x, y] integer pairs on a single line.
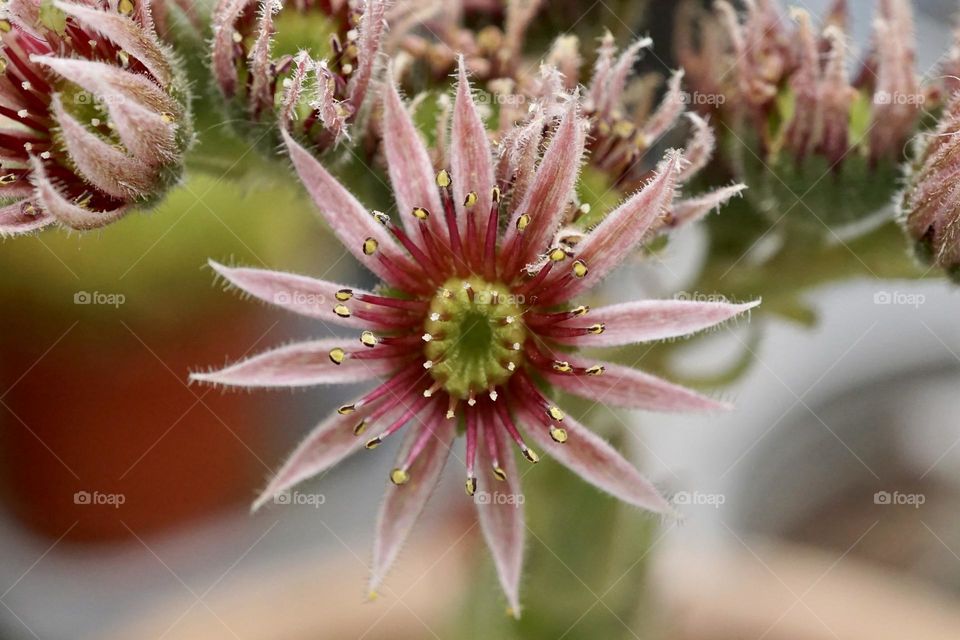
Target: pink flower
[[257, 66], [95, 113], [474, 325]]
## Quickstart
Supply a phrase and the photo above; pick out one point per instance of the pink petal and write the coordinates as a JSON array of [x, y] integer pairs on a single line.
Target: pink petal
[[64, 210], [594, 460], [127, 35], [690, 210], [647, 320], [298, 365], [470, 156], [261, 93], [347, 218], [223, 59], [329, 443], [100, 162], [630, 388], [620, 232], [402, 504], [300, 294], [501, 521], [369, 39], [699, 148], [411, 172], [13, 220], [669, 111], [546, 200]]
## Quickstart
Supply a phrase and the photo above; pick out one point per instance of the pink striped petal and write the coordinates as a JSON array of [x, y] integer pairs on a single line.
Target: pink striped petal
[[699, 148], [402, 504], [408, 162], [100, 162], [594, 460], [502, 521], [630, 388], [14, 222], [64, 210], [300, 294], [690, 210], [300, 364], [140, 43], [647, 320], [470, 156], [223, 56], [369, 38], [329, 443], [669, 111], [546, 200], [347, 218], [620, 232]]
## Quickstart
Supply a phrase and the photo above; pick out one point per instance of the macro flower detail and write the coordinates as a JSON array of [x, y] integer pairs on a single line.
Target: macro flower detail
[[266, 54], [931, 203], [96, 117], [474, 326]]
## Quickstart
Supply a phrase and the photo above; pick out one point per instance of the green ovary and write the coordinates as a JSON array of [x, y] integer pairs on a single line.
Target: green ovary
[[473, 340]]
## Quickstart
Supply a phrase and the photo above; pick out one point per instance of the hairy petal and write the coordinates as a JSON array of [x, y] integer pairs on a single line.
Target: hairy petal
[[329, 443], [647, 320], [692, 209], [368, 46], [470, 156], [298, 365], [402, 504], [503, 524], [65, 211], [14, 221], [594, 460], [630, 388]]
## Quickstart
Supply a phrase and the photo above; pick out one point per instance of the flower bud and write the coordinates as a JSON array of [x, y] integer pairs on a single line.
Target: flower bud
[[306, 61], [931, 202], [95, 112]]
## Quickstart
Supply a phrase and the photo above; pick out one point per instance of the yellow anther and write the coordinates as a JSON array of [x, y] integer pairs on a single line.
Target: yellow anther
[[10, 178], [562, 367], [522, 222], [337, 355], [346, 409], [556, 413], [5, 26], [580, 311], [360, 428], [579, 268], [471, 486], [470, 199], [368, 339], [373, 443], [125, 7], [495, 194], [443, 179], [343, 295], [381, 217], [399, 477], [558, 434], [597, 329], [500, 473], [531, 455], [557, 254], [342, 311], [370, 246], [595, 370], [420, 213]]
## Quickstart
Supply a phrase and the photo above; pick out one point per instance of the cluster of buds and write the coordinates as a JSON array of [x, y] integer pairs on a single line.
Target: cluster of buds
[[95, 116], [931, 202], [310, 62], [783, 90]]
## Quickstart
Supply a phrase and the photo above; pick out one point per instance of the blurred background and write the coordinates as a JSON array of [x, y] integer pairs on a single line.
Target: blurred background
[[823, 507]]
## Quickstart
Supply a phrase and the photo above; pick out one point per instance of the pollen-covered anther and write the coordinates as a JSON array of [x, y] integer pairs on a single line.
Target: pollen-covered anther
[[373, 443], [343, 295], [342, 310], [399, 477], [381, 217], [595, 370], [370, 246], [579, 268], [337, 355], [359, 428], [555, 413], [443, 179], [580, 311], [470, 199], [471, 486], [499, 472], [522, 222], [530, 455], [495, 195], [558, 434], [597, 329], [420, 213], [347, 409], [368, 339], [562, 367]]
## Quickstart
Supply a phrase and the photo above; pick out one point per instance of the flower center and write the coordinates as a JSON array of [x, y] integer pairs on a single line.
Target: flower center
[[474, 336]]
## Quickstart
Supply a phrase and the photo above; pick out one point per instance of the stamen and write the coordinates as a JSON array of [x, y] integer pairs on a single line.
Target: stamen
[[343, 295], [452, 408], [471, 484], [471, 399], [450, 212], [511, 428], [399, 477], [428, 393], [470, 199], [559, 435], [370, 246], [368, 339], [493, 394], [337, 355], [342, 311], [579, 269]]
